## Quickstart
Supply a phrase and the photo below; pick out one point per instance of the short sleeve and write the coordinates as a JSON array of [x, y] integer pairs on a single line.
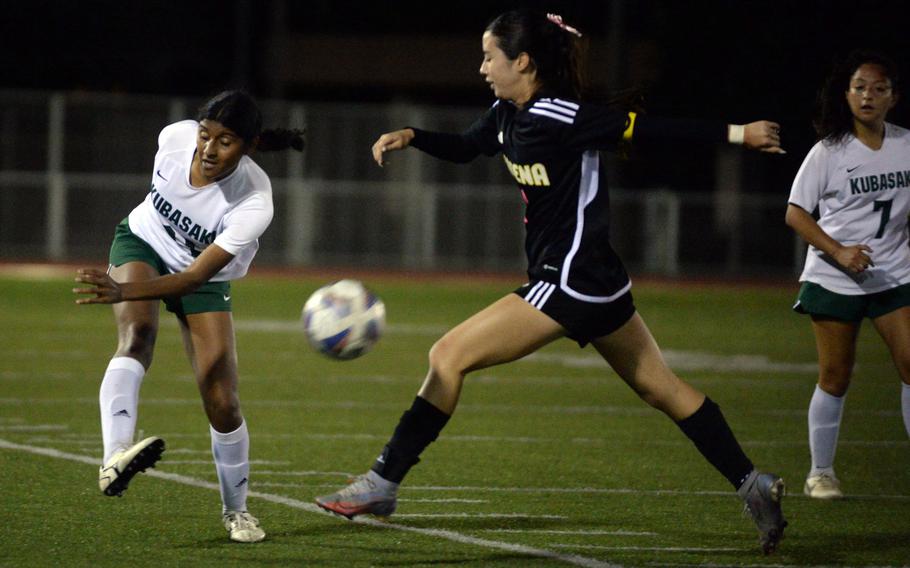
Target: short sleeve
[[811, 179], [244, 224], [175, 136]]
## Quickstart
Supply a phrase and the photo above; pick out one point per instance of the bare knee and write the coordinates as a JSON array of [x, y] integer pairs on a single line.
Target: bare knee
[[137, 341], [446, 360], [834, 379], [222, 405], [659, 395], [903, 367]]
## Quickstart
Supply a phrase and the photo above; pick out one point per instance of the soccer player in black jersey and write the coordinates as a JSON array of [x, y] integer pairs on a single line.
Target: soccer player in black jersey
[[577, 286]]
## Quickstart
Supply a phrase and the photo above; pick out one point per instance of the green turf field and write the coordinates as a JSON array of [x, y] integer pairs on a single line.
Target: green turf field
[[548, 461]]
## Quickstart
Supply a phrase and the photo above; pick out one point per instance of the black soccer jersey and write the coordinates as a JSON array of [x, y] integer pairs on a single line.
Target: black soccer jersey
[[551, 147]]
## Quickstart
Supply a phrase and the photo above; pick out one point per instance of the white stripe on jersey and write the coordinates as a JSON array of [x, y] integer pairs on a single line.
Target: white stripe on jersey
[[559, 117], [568, 104], [555, 108], [587, 191]]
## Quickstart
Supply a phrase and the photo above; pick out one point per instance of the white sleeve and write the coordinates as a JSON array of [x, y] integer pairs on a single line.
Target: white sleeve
[[244, 224], [811, 179], [176, 135]]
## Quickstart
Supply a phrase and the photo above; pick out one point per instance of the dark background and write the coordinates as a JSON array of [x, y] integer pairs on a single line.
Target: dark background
[[732, 60]]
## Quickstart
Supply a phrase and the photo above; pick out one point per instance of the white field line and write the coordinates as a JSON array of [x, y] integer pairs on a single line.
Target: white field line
[[475, 516], [677, 359], [572, 532], [714, 565], [650, 548], [563, 490], [33, 427], [209, 462], [467, 501], [599, 410], [311, 508], [80, 439]]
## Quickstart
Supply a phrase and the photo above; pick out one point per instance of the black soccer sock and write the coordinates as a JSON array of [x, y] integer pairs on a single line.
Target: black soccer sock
[[711, 434], [417, 428]]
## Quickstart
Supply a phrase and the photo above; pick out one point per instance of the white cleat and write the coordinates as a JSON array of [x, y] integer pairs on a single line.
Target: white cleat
[[243, 527], [115, 475], [823, 486]]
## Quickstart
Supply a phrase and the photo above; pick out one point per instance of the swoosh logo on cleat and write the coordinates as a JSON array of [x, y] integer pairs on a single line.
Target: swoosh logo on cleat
[[158, 173]]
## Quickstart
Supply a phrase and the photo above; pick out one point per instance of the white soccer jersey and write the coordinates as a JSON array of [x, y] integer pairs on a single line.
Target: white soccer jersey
[[179, 220], [863, 197]]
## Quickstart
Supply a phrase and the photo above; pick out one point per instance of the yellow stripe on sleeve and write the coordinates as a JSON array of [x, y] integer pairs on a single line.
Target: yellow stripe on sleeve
[[630, 126]]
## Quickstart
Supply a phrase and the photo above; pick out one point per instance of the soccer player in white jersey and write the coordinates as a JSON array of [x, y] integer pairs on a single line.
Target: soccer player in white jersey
[[578, 286], [196, 230], [858, 263]]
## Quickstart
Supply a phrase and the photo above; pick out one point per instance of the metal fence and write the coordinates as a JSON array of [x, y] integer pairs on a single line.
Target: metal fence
[[73, 164]]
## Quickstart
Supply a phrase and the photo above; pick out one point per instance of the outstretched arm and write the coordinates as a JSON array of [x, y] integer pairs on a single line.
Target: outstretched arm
[[391, 141], [104, 290], [853, 258], [762, 135]]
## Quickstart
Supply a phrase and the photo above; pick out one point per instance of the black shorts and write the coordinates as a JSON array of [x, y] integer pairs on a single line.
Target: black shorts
[[584, 321]]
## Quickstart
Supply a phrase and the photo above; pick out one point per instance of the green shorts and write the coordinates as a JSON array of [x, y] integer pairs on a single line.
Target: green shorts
[[817, 301], [210, 297]]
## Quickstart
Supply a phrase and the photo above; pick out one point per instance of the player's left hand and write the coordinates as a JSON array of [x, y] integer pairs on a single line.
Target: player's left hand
[[763, 136], [104, 288]]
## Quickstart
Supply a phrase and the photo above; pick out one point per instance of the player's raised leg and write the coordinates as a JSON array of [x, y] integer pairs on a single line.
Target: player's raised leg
[[504, 331], [118, 397]]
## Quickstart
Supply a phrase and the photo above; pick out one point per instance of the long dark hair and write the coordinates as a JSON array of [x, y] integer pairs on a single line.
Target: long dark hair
[[238, 111], [556, 49], [833, 118]]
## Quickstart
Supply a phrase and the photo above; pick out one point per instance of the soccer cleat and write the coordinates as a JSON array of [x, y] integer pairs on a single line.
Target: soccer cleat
[[115, 475], [823, 486], [243, 527], [362, 497], [762, 493]]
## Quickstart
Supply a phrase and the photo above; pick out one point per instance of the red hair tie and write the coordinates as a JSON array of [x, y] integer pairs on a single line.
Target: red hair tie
[[557, 19]]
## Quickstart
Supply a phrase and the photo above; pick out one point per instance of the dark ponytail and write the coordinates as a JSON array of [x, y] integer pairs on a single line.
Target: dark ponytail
[[556, 49], [833, 119], [238, 111], [281, 139]]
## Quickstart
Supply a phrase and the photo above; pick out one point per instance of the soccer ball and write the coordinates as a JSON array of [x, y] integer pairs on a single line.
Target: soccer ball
[[343, 320]]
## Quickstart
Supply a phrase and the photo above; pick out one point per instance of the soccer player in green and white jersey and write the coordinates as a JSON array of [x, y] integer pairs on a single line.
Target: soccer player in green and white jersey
[[196, 230], [858, 263]]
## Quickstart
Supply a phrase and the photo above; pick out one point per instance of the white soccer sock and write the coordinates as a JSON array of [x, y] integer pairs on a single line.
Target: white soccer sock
[[905, 405], [825, 412], [118, 399], [232, 463]]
